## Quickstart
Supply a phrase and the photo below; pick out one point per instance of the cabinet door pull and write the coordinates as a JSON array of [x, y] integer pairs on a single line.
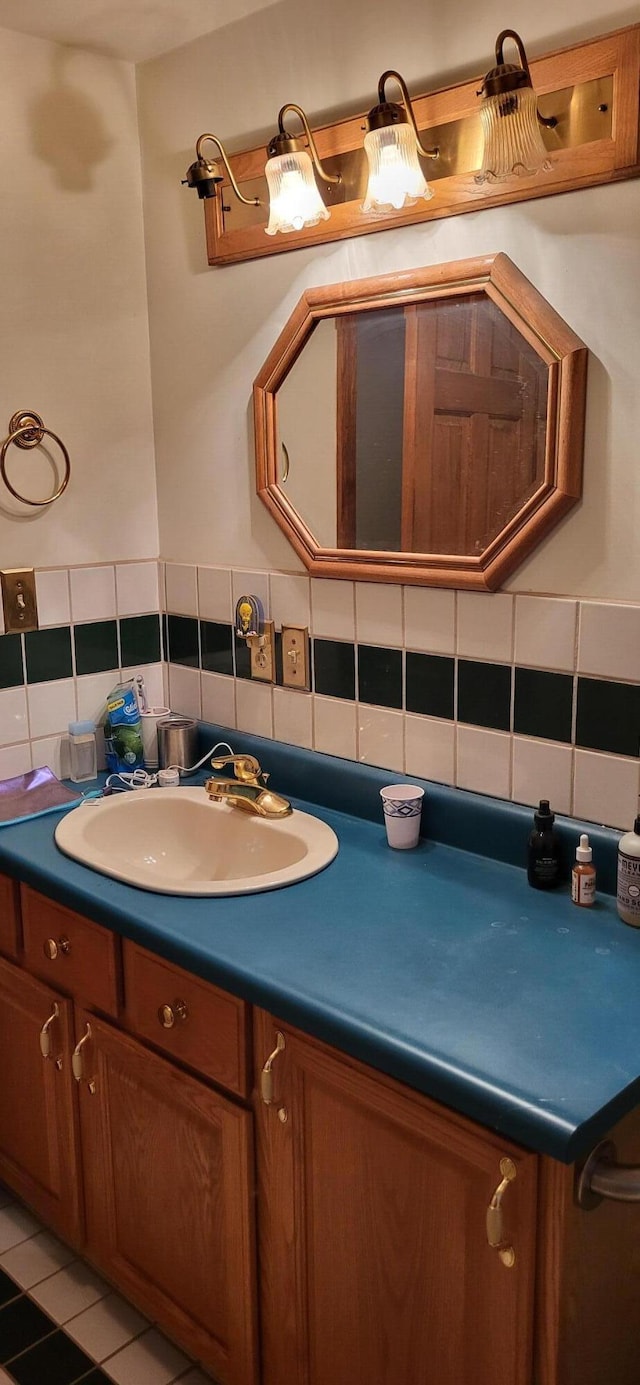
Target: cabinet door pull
[[168, 1014], [46, 1045], [495, 1229], [52, 949], [266, 1078], [77, 1061]]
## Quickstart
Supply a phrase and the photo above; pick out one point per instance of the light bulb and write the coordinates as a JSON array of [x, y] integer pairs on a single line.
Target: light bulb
[[396, 179], [294, 200]]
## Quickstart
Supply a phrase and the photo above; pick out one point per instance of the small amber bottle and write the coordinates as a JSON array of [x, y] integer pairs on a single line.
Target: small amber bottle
[[583, 875]]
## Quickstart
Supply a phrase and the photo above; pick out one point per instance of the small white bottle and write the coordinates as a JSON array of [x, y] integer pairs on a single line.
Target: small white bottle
[[83, 763], [583, 875], [629, 876]]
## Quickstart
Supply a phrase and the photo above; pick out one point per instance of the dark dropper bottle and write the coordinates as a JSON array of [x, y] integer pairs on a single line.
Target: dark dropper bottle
[[544, 859]]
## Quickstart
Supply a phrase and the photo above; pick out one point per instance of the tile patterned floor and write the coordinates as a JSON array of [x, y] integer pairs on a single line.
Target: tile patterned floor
[[60, 1324]]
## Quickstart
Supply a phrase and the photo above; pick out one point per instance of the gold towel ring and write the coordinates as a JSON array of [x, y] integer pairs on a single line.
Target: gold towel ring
[[26, 429]]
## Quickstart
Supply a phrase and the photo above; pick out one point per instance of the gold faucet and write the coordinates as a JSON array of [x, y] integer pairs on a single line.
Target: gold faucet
[[248, 791]]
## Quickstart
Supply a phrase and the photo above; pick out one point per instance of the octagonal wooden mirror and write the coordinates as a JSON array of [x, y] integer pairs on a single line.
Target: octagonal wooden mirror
[[423, 427]]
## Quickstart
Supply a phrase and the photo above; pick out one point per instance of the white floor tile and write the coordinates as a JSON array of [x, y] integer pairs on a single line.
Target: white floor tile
[[151, 1360], [35, 1259], [194, 1377], [4, 1377], [16, 1224], [69, 1292], [106, 1327]]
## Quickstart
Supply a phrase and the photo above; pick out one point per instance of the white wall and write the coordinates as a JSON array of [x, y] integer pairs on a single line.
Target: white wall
[[211, 328], [74, 341]]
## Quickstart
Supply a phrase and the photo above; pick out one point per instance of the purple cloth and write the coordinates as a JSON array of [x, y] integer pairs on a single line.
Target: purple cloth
[[36, 792]]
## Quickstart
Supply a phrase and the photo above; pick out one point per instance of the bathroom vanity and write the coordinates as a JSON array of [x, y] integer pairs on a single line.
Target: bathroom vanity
[[277, 1123]]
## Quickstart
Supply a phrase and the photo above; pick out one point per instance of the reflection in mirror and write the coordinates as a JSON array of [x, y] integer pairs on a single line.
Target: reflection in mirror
[[417, 429], [425, 426]]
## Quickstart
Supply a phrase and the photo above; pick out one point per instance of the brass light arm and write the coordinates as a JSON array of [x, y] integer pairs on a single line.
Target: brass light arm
[[397, 77], [248, 201], [320, 170], [549, 121]]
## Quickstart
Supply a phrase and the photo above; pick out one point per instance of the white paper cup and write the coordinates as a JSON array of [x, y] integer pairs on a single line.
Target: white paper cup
[[402, 807], [149, 731]]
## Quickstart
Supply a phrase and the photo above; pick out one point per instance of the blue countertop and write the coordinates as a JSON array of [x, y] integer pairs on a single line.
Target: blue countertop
[[438, 966]]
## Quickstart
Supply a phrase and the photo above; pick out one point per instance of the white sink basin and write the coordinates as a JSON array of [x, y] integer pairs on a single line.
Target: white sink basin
[[176, 841]]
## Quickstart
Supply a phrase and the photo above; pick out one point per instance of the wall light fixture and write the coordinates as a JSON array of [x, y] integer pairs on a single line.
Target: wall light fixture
[[294, 199], [510, 118], [392, 145], [204, 174]]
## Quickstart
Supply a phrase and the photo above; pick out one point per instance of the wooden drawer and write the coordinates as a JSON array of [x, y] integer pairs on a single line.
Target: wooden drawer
[[205, 1028], [9, 916], [69, 952]]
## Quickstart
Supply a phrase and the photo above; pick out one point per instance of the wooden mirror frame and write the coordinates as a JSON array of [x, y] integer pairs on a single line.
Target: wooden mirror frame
[[497, 278]]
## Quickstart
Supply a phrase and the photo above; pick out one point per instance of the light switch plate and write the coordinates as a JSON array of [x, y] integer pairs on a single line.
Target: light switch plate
[[19, 599], [263, 653], [295, 657]]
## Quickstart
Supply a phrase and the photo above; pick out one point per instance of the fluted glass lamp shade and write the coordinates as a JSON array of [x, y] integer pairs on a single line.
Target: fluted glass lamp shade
[[513, 143], [294, 200], [395, 177]]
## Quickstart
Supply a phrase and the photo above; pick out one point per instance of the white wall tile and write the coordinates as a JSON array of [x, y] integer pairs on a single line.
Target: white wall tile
[[214, 594], [15, 759], [335, 727], [380, 737], [333, 609], [154, 682], [483, 762], [52, 596], [542, 769], [429, 620], [379, 614], [430, 748], [184, 690], [54, 752], [485, 621], [14, 726], [546, 632], [609, 643], [290, 600], [137, 591], [606, 789], [92, 690], [93, 593], [254, 708], [218, 699], [51, 706], [292, 717], [250, 584], [181, 589]]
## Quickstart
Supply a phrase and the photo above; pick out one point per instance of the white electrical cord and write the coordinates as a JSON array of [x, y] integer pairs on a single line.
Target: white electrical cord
[[141, 779]]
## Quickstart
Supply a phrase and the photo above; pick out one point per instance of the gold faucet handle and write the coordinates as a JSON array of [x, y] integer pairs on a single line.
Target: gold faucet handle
[[246, 768]]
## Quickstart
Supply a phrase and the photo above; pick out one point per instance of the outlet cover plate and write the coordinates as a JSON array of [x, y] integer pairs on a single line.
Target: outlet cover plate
[[263, 653], [295, 657], [19, 599]]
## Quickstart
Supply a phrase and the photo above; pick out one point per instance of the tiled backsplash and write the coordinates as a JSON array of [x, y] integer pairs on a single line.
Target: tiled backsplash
[[522, 697], [97, 625]]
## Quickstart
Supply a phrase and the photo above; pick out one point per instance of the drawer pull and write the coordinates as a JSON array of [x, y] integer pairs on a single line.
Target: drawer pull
[[52, 949], [46, 1046], [168, 1014], [495, 1229], [266, 1078], [77, 1061]]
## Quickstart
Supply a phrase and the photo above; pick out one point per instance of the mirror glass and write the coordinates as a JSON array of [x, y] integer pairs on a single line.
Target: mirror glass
[[418, 428]]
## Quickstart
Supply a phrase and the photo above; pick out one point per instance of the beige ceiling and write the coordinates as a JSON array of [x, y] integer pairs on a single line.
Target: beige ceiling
[[131, 29]]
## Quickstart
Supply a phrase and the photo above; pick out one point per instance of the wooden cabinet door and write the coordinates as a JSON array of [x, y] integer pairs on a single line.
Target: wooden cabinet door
[[39, 1139], [169, 1190], [375, 1265]]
